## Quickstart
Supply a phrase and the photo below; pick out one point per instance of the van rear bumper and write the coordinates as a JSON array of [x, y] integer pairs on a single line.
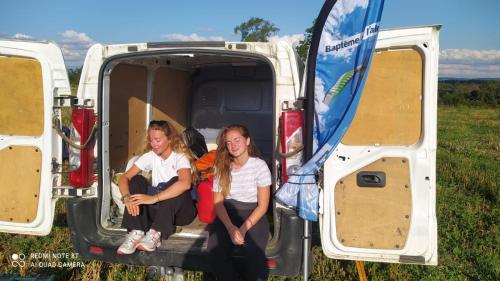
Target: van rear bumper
[[284, 252]]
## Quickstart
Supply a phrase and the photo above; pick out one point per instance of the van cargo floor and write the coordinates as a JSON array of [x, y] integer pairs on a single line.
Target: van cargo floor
[[191, 237]]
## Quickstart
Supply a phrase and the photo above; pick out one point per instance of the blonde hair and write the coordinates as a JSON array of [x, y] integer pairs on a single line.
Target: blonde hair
[[224, 158]]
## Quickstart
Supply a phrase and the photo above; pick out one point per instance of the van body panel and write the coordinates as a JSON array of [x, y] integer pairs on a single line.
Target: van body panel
[[379, 191], [32, 74]]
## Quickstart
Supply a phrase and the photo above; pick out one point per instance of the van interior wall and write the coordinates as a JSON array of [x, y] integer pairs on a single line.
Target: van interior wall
[[171, 92], [127, 113], [228, 94], [128, 107]]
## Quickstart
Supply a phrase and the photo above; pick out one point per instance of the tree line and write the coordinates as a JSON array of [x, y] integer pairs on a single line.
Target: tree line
[[469, 92], [450, 92]]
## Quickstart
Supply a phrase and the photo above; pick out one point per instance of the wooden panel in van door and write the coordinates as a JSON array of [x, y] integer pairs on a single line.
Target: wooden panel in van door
[[21, 97], [20, 178], [390, 113], [21, 114], [375, 216]]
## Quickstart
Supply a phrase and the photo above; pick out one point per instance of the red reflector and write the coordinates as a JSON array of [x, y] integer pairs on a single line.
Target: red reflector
[[272, 263], [96, 250]]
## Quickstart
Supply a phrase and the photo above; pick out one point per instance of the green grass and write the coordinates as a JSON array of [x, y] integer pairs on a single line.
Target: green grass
[[468, 171]]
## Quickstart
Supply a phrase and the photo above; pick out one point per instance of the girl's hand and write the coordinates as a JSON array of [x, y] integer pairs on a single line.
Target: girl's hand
[[236, 236], [132, 208], [243, 230], [138, 199]]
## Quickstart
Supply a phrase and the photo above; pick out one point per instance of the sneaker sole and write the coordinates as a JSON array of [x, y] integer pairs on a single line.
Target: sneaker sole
[[125, 253], [142, 248], [120, 252]]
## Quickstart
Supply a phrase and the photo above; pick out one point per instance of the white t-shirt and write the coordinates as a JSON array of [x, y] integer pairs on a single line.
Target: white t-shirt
[[246, 180], [162, 170]]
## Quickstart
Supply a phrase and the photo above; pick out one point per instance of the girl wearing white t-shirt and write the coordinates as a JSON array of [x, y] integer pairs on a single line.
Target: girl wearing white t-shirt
[[153, 210], [241, 196]]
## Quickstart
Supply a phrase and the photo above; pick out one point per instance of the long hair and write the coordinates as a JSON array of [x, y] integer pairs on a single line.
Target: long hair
[[176, 142], [224, 158]]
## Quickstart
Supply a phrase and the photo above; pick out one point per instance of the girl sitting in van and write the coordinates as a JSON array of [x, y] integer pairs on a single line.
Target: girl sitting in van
[[153, 210], [241, 196]]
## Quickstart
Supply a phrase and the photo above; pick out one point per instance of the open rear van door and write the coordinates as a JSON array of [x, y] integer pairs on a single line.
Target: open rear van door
[[379, 186], [31, 74]]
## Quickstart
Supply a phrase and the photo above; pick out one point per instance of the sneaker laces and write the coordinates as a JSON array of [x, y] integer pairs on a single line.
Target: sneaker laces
[[153, 236], [133, 236]]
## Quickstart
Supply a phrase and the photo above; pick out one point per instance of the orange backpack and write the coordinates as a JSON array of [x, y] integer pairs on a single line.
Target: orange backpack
[[205, 165]]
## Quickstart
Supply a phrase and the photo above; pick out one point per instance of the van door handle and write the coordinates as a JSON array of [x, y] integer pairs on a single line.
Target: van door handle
[[370, 179]]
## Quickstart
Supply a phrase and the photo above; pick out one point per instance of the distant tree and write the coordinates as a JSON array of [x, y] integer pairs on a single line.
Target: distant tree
[[256, 30], [491, 90], [474, 95], [303, 46], [74, 76]]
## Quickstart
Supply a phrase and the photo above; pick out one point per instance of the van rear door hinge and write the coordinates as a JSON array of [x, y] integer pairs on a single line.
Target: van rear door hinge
[[71, 192], [72, 101]]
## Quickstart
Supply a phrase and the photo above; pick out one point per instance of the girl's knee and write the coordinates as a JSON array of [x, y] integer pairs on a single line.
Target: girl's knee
[[138, 184]]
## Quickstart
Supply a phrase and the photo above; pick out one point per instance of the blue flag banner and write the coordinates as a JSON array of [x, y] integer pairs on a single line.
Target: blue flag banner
[[348, 32]]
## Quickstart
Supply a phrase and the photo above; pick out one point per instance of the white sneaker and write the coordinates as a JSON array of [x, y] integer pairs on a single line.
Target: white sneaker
[[131, 240], [151, 241]]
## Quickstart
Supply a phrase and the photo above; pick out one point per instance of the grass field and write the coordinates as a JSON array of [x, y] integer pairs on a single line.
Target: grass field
[[468, 173]]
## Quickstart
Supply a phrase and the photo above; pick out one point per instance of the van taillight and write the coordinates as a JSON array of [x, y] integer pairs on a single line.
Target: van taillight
[[80, 160], [292, 122]]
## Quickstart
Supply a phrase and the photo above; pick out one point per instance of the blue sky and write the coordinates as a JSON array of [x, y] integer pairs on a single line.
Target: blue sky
[[470, 38]]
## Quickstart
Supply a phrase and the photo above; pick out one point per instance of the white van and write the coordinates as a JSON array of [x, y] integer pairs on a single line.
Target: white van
[[206, 85]]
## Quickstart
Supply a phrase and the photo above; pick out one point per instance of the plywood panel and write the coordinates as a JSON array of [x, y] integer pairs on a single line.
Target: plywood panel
[[20, 183], [21, 97], [171, 96], [390, 110], [375, 217], [128, 101]]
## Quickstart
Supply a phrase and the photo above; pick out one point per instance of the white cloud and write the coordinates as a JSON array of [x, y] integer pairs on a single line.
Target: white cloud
[[74, 46], [22, 36], [293, 39], [74, 36], [190, 37], [333, 37], [469, 71], [467, 63], [470, 56]]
